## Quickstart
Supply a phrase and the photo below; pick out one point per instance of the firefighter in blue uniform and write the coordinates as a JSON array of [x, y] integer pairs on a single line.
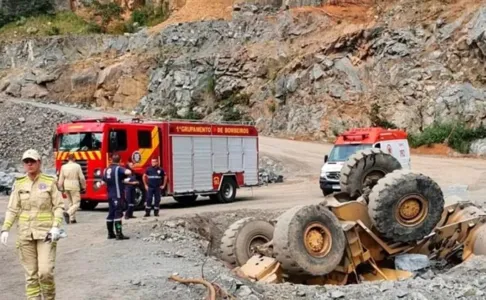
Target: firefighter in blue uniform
[[155, 181], [114, 177], [131, 182]]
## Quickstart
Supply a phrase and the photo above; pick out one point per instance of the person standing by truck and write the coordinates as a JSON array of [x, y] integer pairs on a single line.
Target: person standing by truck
[[155, 181], [131, 182], [114, 177], [72, 182]]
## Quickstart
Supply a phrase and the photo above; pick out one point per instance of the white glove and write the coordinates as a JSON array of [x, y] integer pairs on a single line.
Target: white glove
[[4, 238], [55, 234]]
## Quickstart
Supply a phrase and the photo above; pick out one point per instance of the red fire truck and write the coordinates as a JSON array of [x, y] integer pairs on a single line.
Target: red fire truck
[[199, 158]]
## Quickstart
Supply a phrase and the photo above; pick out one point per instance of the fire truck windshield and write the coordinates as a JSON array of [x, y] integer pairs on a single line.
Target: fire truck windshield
[[80, 141], [343, 152]]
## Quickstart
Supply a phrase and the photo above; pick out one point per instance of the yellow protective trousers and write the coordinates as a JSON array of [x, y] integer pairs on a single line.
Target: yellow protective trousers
[[38, 259]]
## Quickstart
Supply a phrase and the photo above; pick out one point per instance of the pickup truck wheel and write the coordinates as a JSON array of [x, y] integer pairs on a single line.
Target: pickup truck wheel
[[364, 169], [405, 206], [227, 193], [240, 239], [185, 200], [88, 205], [308, 240]]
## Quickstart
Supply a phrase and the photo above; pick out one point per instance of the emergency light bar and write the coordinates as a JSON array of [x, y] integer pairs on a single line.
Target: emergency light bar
[[102, 120]]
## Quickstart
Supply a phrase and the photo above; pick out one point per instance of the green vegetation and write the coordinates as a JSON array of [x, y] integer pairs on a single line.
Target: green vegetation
[[36, 9], [456, 135], [149, 15], [232, 114], [377, 120], [108, 13], [104, 18], [61, 23], [272, 106]]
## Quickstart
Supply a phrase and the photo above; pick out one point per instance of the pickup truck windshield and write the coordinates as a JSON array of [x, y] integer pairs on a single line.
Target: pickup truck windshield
[[80, 141], [343, 152]]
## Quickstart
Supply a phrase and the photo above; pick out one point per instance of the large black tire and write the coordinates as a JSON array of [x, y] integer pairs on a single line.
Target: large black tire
[[227, 193], [140, 195], [326, 192], [239, 239], [364, 168], [289, 245], [405, 206], [88, 205], [185, 200]]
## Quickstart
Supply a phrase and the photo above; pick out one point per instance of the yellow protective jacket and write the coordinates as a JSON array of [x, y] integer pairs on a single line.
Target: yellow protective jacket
[[71, 177], [36, 204]]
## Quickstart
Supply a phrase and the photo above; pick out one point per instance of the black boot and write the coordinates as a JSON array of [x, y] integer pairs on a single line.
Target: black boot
[[111, 233], [147, 212], [156, 212], [66, 217], [119, 233]]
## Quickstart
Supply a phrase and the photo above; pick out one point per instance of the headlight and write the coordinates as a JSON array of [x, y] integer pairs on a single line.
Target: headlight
[[97, 185]]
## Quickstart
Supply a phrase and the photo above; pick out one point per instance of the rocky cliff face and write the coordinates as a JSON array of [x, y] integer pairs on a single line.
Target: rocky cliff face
[[304, 72]]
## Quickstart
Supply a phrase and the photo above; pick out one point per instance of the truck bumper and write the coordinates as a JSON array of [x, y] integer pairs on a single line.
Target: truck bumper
[[329, 186]]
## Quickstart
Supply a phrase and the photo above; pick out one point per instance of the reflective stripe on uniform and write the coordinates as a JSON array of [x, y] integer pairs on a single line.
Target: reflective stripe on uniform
[[24, 217], [8, 224], [48, 287], [58, 220], [33, 291], [117, 184], [44, 217]]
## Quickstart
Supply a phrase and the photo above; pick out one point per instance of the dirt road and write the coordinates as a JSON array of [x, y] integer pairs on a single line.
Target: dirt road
[[90, 267]]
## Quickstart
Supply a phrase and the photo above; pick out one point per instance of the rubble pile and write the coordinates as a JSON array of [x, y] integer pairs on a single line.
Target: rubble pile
[[271, 171], [24, 126], [8, 172]]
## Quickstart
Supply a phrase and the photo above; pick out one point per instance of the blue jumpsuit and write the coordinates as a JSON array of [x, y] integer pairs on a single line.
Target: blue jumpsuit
[[130, 196], [155, 178], [114, 176]]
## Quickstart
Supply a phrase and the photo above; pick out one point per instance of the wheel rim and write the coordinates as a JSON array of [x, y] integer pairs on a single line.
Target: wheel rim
[[138, 196], [228, 190], [317, 239], [372, 176], [411, 210], [256, 241]]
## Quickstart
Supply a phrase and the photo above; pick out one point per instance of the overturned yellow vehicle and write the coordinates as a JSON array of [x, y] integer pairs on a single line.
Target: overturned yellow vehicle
[[354, 235]]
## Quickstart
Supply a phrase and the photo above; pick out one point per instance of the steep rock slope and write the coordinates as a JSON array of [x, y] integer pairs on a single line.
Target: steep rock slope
[[301, 72]]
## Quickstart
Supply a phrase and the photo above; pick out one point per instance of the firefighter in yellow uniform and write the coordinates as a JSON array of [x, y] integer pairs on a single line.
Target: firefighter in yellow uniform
[[36, 204], [72, 182]]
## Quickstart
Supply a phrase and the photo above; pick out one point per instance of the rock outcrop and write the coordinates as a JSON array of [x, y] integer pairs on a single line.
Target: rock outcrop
[[305, 72]]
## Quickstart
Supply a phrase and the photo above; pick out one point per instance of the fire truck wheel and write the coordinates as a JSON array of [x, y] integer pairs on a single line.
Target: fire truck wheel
[[227, 193], [308, 240], [140, 197], [405, 206], [88, 205], [239, 240], [185, 200], [364, 168]]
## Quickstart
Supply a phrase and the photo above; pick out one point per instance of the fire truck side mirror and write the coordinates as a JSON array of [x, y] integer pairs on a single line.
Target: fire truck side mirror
[[54, 142], [326, 158]]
